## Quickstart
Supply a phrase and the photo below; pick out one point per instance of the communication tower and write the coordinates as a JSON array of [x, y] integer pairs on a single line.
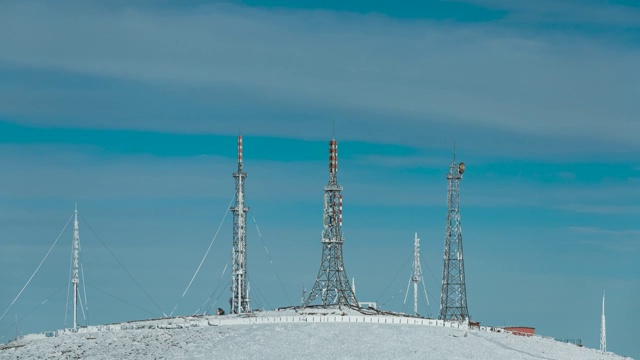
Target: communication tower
[[416, 276], [239, 288], [332, 284], [453, 298]]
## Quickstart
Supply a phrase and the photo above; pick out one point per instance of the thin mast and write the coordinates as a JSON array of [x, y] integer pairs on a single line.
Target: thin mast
[[76, 247], [417, 275], [603, 329]]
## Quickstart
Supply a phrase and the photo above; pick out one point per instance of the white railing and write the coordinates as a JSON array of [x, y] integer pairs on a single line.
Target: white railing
[[221, 321]]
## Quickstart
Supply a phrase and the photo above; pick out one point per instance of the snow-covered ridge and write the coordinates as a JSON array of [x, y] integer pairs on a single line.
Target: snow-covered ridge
[[292, 315], [293, 333]]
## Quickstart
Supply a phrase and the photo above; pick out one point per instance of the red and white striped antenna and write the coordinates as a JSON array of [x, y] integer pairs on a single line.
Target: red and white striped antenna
[[240, 152], [333, 156]]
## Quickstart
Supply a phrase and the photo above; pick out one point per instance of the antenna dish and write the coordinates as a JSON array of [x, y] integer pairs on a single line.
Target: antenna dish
[[461, 168]]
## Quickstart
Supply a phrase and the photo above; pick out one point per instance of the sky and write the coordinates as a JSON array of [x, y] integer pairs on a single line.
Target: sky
[[131, 110]]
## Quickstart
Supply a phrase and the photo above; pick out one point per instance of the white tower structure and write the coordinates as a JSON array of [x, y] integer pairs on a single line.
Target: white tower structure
[[239, 288], [416, 277], [75, 280], [603, 330]]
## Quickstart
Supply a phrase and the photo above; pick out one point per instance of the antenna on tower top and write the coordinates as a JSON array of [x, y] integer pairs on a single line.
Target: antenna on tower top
[[239, 153], [454, 150]]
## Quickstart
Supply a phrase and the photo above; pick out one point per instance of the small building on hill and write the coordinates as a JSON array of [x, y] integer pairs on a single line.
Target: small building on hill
[[521, 330]]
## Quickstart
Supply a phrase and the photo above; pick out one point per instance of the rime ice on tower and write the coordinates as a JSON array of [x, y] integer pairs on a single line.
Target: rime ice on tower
[[603, 330], [75, 280], [332, 284], [416, 277], [453, 298], [239, 290]]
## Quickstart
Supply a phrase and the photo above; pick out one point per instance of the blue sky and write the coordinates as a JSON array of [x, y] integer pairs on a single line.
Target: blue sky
[[132, 108]]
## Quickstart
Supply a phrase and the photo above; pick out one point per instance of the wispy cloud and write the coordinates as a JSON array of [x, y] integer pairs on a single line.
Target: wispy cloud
[[566, 12], [616, 240], [404, 161], [387, 76], [592, 230], [602, 208]]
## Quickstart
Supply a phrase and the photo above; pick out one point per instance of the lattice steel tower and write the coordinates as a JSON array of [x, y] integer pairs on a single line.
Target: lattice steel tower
[[239, 288], [416, 277], [332, 284], [453, 298]]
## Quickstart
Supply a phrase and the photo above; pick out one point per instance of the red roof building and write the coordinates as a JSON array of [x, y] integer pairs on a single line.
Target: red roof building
[[521, 330]]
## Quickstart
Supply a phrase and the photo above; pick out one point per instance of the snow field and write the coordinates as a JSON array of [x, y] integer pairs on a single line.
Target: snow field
[[275, 335]]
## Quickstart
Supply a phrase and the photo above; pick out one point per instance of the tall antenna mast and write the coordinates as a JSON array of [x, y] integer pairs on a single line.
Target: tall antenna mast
[[603, 329], [416, 276], [75, 281], [417, 272], [453, 298], [332, 284], [239, 288]]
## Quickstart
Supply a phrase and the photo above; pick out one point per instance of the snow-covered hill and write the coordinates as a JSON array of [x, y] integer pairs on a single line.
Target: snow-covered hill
[[292, 334]]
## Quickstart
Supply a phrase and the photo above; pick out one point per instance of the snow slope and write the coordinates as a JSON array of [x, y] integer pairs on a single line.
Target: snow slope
[[316, 334]]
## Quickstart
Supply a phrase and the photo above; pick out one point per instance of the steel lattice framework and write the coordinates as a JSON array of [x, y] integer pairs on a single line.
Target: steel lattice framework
[[453, 298], [239, 288], [416, 276], [332, 284]]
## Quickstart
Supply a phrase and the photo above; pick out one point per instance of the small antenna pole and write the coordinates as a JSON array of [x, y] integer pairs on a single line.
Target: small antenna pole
[[603, 329], [454, 150], [417, 273]]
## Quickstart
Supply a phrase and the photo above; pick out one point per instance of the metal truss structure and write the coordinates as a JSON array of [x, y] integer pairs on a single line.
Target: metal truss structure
[[453, 298], [332, 284], [416, 277], [239, 300]]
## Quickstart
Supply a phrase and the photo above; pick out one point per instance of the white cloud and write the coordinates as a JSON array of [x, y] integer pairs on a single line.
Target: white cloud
[[411, 76]]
